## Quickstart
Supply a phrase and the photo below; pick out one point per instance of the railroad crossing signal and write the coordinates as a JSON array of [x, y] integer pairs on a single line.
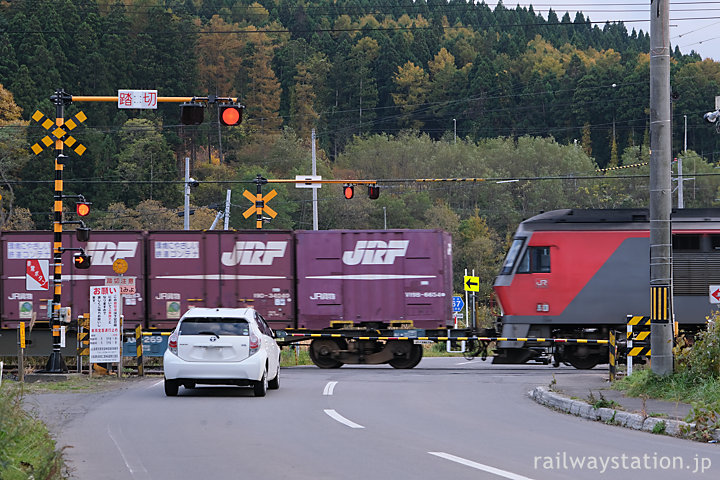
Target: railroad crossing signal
[[59, 134], [260, 205], [472, 284]]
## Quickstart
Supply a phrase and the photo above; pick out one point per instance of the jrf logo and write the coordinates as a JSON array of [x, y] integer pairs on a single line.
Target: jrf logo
[[254, 253], [105, 253], [375, 252]]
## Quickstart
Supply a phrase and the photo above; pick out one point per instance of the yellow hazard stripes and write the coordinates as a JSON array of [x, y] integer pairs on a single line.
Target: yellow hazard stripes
[[659, 304], [83, 335], [60, 132], [638, 336]]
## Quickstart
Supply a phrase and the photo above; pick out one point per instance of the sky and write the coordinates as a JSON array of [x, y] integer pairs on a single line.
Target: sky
[[694, 25]]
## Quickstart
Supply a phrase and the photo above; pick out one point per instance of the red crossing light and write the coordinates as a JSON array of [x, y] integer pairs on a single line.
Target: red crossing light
[[82, 209], [230, 114], [348, 191]]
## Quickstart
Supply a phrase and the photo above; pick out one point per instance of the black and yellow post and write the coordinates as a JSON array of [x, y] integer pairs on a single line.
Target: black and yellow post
[[662, 327], [83, 339], [139, 350], [56, 363], [612, 351]]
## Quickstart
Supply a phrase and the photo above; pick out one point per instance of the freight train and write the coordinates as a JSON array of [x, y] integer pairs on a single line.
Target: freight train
[[579, 273], [366, 282]]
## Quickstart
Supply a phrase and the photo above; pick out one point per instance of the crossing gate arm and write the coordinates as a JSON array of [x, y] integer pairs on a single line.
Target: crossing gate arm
[[295, 337]]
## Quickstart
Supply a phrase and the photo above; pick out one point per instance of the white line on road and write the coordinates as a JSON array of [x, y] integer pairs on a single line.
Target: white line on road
[[154, 385], [464, 363], [336, 416], [479, 466], [141, 471], [329, 388]]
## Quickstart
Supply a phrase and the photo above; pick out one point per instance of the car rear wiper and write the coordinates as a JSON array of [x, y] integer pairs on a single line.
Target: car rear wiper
[[208, 333]]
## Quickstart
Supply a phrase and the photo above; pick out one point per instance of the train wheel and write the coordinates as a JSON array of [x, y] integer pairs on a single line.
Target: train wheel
[[321, 351], [583, 363], [410, 360]]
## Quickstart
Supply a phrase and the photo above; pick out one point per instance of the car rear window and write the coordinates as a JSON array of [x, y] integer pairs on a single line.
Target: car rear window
[[214, 325]]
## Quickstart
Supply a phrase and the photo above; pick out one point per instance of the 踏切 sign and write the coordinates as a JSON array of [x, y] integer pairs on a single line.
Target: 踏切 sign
[[137, 99]]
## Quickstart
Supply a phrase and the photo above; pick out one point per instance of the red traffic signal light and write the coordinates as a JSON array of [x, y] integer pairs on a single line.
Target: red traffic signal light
[[373, 192], [81, 261], [82, 208], [348, 191], [230, 114]]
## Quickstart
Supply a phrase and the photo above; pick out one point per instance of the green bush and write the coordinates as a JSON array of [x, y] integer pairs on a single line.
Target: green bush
[[701, 357]]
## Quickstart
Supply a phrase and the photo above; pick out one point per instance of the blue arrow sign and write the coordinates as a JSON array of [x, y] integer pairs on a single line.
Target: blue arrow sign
[[458, 304]]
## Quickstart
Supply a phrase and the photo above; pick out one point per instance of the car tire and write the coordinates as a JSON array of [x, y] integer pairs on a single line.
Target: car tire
[[274, 384], [261, 386], [171, 387]]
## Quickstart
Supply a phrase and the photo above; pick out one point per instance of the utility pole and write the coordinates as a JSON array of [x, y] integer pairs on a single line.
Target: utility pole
[[314, 190], [186, 214], [661, 331]]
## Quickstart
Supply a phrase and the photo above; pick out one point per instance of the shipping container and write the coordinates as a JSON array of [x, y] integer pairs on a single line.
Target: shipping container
[[374, 278], [189, 269]]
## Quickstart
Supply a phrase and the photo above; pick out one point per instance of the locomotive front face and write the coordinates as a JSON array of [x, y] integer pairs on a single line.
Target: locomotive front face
[[569, 276]]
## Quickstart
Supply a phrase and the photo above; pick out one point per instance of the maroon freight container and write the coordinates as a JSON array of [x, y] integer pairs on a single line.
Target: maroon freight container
[[373, 277], [104, 247], [221, 269]]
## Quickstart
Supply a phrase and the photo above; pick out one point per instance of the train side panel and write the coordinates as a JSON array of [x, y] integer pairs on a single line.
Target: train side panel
[[220, 269], [19, 303], [380, 277]]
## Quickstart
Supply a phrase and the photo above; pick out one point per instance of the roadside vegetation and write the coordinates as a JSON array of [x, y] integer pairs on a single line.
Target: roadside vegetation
[[27, 451], [696, 379]]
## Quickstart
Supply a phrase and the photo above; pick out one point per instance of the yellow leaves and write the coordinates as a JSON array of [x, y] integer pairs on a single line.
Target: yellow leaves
[[9, 111]]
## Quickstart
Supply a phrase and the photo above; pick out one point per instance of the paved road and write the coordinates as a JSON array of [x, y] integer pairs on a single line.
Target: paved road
[[447, 418]]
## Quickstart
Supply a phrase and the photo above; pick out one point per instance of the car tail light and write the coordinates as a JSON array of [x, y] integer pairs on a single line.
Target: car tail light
[[254, 344], [172, 342]]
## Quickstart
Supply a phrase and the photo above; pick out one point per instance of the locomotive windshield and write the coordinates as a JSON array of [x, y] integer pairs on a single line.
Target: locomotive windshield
[[512, 255]]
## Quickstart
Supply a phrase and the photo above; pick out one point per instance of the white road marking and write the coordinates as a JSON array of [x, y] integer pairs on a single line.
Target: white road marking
[[142, 471], [154, 385], [329, 388], [480, 466], [464, 363], [336, 416]]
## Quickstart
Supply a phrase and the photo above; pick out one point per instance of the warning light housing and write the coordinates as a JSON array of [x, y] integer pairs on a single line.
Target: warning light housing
[[82, 208], [373, 192], [192, 113], [231, 114], [81, 261], [348, 191]]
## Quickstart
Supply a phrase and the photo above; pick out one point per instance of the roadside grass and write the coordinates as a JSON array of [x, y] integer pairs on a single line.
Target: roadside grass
[[683, 387], [27, 451]]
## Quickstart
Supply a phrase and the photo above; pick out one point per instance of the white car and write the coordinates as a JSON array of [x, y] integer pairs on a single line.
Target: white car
[[222, 346]]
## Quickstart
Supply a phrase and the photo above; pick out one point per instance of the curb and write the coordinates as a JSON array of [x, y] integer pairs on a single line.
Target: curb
[[612, 416]]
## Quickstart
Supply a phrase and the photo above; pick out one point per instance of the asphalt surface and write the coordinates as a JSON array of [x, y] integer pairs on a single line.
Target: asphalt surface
[[447, 418]]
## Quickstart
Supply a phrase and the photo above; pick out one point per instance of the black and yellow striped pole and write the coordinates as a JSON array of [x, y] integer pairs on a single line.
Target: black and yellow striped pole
[[139, 350], [55, 363], [612, 355]]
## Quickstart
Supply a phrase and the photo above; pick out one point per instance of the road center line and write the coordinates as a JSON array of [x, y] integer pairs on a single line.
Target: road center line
[[336, 416], [479, 466], [329, 388], [153, 385]]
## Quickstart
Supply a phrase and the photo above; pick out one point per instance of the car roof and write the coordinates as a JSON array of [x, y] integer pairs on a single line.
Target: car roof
[[220, 312]]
